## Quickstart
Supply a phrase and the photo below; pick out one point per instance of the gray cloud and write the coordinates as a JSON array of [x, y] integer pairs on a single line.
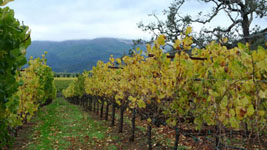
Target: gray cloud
[[87, 19], [62, 20]]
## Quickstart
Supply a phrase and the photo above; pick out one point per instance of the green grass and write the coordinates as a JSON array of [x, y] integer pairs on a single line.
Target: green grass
[[65, 126], [63, 83], [62, 125]]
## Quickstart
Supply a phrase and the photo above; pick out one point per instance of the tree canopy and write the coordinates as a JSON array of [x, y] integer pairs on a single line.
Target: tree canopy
[[241, 14]]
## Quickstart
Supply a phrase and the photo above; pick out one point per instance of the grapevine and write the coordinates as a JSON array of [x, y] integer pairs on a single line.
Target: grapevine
[[213, 87]]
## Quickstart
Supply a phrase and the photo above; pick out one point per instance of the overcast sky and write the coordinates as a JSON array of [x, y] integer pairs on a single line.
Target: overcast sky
[[59, 20]]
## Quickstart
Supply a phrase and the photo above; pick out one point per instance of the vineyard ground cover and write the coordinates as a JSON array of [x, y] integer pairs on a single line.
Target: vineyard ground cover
[[62, 125]]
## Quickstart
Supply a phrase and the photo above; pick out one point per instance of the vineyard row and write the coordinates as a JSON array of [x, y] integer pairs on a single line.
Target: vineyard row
[[229, 95]]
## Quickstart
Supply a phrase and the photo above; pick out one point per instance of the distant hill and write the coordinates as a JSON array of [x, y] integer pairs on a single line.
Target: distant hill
[[78, 55]]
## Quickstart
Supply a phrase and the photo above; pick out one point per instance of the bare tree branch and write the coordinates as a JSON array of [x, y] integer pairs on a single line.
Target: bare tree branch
[[240, 12], [225, 30], [215, 13]]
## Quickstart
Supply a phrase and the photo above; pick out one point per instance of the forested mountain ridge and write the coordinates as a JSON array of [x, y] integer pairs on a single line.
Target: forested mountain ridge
[[78, 55]]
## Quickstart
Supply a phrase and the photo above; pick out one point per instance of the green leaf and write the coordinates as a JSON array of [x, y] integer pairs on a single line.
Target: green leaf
[[234, 122], [250, 110], [232, 112], [245, 101], [224, 103], [171, 122]]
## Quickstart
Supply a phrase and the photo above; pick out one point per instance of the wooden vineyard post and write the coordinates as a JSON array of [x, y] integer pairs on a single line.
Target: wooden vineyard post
[[149, 136], [121, 119], [113, 114], [177, 135], [101, 109], [107, 107], [133, 124]]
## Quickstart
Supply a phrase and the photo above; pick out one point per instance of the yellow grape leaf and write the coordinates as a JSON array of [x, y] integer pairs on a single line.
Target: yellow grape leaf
[[225, 40], [262, 53], [132, 99], [118, 102], [261, 113], [250, 110], [177, 44], [262, 64], [161, 40], [188, 30], [141, 103], [187, 47], [234, 122], [222, 116], [111, 59], [224, 103], [232, 112], [245, 101], [118, 60], [262, 94], [187, 41]]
